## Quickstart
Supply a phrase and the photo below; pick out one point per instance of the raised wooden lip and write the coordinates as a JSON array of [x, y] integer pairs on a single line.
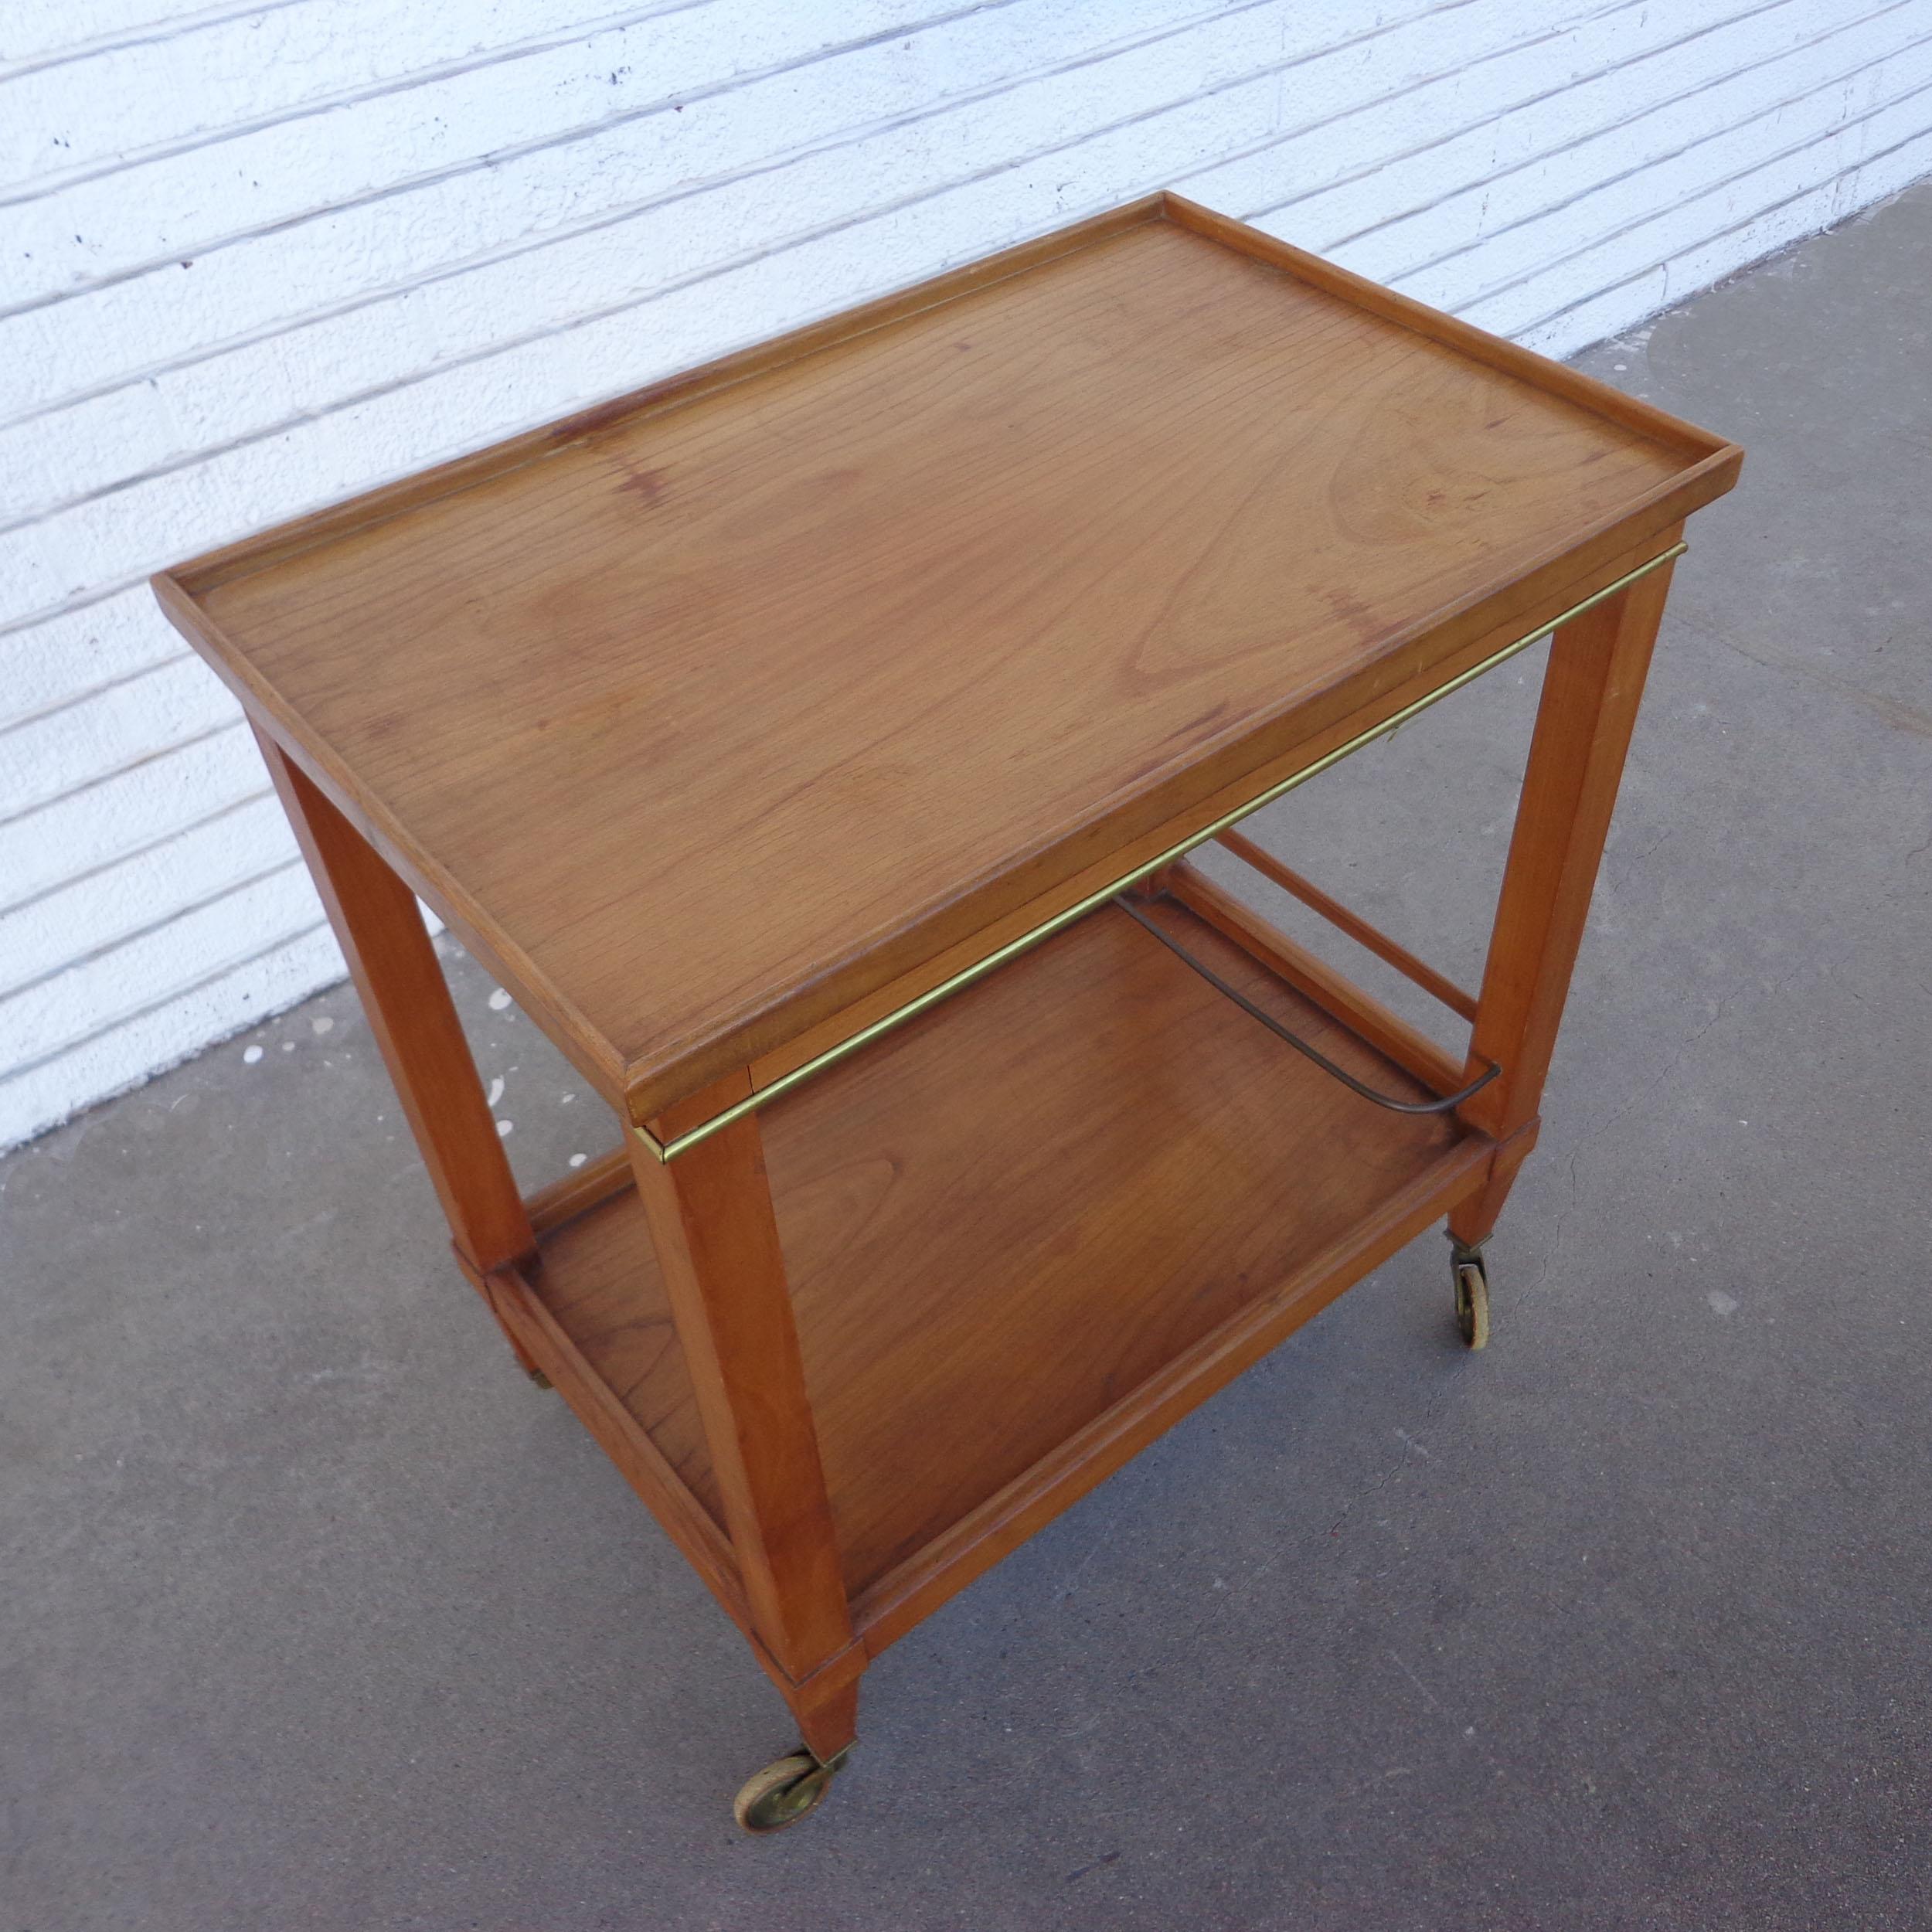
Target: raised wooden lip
[[640, 1086], [369, 508]]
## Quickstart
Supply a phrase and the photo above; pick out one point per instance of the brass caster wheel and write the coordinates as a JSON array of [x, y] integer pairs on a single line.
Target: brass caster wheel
[[784, 1791], [1472, 1296]]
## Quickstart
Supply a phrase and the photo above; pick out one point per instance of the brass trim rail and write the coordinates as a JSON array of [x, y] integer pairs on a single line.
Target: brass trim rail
[[970, 976]]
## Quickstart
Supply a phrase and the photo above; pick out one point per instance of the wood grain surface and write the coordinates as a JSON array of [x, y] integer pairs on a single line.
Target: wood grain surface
[[1003, 1220], [739, 699]]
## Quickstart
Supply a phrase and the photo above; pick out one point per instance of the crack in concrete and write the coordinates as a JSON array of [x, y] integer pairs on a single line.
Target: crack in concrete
[[1891, 711]]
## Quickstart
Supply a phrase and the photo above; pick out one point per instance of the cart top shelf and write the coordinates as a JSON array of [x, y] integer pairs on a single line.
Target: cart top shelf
[[707, 713]]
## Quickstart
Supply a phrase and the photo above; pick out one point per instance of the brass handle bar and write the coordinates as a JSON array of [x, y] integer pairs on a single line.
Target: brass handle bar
[[1444, 1103], [970, 976]]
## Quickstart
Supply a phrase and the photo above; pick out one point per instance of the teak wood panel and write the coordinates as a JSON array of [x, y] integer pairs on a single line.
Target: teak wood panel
[[1001, 1221], [671, 711], [1333, 721]]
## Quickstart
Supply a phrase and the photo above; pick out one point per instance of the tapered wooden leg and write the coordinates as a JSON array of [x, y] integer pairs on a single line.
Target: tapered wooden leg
[[1472, 1221], [712, 1223], [827, 1720], [407, 1000], [1595, 678]]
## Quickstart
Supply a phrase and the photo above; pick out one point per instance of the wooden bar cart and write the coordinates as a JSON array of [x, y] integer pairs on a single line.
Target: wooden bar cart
[[812, 744]]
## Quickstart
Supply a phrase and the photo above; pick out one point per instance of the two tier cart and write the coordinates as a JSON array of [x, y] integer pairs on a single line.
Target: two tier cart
[[812, 745]]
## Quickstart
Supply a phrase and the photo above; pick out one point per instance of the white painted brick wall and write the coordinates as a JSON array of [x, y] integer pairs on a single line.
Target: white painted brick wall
[[253, 258]]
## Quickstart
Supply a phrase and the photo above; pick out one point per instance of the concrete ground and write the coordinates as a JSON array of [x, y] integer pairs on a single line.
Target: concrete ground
[[316, 1614]]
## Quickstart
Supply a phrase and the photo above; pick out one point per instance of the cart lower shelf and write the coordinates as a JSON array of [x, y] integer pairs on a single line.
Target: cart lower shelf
[[1024, 1235]]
